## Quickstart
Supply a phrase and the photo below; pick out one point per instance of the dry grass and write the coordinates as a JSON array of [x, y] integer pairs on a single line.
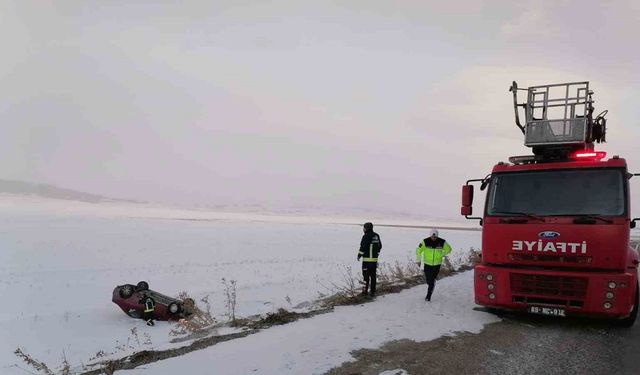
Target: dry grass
[[230, 299], [200, 319], [39, 366], [446, 269], [66, 366], [390, 275], [391, 278], [279, 317], [347, 285]]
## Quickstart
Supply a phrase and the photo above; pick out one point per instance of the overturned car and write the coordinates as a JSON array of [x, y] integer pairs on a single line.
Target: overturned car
[[129, 298]]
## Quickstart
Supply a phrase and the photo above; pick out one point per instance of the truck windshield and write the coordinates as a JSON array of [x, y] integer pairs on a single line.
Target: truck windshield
[[560, 192]]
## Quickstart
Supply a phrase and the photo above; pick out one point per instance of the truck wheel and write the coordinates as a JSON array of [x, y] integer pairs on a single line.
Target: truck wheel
[[628, 321], [142, 285], [126, 291]]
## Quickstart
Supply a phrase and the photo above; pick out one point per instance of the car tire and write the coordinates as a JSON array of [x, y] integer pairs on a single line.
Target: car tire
[[174, 308], [126, 291], [142, 285]]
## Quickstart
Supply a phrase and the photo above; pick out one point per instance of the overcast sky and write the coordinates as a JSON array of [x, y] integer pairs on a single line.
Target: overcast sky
[[380, 105]]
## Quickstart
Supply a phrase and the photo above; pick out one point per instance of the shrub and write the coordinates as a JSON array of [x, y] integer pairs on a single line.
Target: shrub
[[37, 365], [230, 299], [199, 320]]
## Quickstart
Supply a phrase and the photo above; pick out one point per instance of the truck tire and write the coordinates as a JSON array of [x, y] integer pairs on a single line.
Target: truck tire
[[628, 321]]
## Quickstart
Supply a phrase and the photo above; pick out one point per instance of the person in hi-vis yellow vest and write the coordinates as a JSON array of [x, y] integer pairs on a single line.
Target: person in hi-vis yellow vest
[[430, 253]]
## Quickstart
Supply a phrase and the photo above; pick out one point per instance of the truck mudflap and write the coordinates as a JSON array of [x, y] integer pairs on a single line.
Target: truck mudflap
[[553, 293]]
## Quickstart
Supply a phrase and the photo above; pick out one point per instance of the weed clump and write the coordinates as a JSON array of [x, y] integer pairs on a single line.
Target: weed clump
[[37, 365], [348, 285], [230, 299], [391, 278], [279, 317], [446, 269], [199, 320]]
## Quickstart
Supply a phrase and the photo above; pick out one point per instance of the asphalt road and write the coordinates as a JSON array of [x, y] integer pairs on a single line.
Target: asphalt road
[[520, 344], [524, 344]]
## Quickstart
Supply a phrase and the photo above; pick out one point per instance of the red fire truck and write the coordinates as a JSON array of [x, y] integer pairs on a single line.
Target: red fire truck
[[556, 223]]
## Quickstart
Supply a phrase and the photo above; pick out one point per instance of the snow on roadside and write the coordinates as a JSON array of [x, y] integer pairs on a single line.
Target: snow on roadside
[[60, 261], [315, 345], [394, 372]]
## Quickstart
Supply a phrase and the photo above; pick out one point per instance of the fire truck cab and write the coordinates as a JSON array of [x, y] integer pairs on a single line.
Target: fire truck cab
[[556, 223]]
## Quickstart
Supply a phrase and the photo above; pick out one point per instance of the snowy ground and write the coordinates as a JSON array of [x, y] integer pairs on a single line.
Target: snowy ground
[[313, 346], [59, 262]]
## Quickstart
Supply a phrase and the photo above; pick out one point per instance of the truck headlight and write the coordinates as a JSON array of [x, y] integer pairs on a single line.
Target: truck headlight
[[489, 277], [612, 285], [609, 295], [607, 305]]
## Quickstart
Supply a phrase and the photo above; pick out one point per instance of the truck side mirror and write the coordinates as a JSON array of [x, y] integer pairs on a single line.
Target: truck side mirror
[[467, 200], [632, 224], [467, 195]]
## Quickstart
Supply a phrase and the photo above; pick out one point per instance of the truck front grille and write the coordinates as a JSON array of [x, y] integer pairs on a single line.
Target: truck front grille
[[563, 287]]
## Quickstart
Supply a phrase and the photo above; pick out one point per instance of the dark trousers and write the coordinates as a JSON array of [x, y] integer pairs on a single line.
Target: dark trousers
[[369, 275], [148, 316], [430, 274]]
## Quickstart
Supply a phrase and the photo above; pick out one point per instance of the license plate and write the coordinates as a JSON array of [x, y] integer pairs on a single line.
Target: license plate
[[553, 311]]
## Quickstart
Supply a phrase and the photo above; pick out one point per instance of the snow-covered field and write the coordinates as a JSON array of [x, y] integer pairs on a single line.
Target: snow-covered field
[[59, 263]]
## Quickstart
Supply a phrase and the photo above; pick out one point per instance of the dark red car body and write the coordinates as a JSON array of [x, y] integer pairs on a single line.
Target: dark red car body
[[128, 296]]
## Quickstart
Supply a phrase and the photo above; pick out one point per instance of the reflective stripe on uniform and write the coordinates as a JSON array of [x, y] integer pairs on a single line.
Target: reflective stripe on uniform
[[370, 258]]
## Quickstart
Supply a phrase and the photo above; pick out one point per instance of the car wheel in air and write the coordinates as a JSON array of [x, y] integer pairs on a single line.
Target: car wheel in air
[[142, 285], [126, 291], [173, 308]]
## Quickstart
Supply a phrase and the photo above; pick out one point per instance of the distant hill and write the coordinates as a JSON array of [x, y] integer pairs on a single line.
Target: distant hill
[[50, 191]]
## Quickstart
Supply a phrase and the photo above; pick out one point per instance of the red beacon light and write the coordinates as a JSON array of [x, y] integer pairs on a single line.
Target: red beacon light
[[589, 155]]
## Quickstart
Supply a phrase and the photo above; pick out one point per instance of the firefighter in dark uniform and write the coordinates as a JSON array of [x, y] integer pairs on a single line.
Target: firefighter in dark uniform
[[149, 308], [370, 247], [430, 253]]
